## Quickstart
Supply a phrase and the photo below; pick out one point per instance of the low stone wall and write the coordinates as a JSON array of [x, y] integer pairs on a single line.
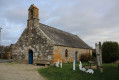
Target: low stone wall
[[5, 52], [5, 56]]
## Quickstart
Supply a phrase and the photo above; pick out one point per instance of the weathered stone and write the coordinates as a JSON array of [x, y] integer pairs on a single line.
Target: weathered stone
[[47, 46]]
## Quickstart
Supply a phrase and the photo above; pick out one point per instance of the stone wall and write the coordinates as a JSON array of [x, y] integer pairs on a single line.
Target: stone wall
[[41, 45], [33, 38], [59, 53], [37, 42], [20, 49], [5, 52]]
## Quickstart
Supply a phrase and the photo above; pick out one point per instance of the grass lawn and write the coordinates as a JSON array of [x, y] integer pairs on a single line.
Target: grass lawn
[[111, 72]]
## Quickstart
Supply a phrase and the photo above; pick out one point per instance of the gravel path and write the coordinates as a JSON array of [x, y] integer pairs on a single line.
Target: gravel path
[[12, 71]]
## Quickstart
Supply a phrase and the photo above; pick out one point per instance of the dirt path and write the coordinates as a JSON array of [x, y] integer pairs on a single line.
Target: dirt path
[[12, 71]]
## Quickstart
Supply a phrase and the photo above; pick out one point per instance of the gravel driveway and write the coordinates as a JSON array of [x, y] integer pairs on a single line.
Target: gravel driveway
[[12, 71]]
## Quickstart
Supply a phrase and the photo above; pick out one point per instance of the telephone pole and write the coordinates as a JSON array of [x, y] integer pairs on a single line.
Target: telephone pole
[[0, 35]]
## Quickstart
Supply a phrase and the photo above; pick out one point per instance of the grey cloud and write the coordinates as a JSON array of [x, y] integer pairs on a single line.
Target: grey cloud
[[17, 15], [92, 20], [88, 19]]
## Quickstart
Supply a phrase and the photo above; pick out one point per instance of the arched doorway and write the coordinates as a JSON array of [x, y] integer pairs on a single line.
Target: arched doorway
[[30, 57]]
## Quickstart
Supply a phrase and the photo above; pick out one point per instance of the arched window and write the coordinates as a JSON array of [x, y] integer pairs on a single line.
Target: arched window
[[66, 53]]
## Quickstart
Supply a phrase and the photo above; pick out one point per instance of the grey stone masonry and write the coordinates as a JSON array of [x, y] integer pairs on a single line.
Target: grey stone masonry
[[33, 39]]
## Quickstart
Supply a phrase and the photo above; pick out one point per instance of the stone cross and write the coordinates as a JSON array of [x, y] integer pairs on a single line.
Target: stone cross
[[74, 65], [61, 64], [80, 65], [81, 68], [57, 63]]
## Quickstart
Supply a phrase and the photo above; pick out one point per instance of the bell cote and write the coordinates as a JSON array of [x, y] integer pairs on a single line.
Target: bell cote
[[33, 12], [33, 16]]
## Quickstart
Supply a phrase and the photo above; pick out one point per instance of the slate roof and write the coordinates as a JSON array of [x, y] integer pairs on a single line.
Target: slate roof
[[63, 38]]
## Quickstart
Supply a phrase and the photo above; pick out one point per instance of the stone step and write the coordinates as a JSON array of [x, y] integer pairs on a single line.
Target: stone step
[[43, 62]]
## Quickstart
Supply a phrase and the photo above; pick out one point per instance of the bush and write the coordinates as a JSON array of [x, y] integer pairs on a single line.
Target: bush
[[110, 51], [85, 57], [94, 54]]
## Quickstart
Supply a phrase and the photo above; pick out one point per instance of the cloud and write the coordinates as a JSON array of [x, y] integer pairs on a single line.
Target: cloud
[[91, 20], [10, 33]]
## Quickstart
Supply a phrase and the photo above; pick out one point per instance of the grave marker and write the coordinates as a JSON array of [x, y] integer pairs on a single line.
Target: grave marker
[[99, 56], [61, 64], [74, 65]]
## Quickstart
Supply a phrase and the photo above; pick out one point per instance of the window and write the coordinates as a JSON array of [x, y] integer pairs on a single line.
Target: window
[[66, 53], [31, 13]]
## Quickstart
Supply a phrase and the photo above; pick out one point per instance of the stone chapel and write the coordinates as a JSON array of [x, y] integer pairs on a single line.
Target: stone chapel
[[43, 44]]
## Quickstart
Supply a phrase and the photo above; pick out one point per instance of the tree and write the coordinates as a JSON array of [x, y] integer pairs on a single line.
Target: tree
[[110, 51]]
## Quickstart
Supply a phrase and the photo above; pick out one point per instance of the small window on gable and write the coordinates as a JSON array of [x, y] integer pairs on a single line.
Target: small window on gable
[[66, 53]]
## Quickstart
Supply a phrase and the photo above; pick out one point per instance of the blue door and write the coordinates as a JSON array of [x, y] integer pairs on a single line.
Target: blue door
[[76, 56], [30, 57]]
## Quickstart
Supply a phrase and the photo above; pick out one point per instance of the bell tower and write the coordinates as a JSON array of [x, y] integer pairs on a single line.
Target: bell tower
[[32, 22], [33, 14]]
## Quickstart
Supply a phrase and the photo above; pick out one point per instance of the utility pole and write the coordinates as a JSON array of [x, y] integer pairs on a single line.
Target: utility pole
[[0, 35]]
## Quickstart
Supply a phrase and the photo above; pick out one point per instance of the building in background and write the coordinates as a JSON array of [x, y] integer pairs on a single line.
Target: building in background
[[6, 52]]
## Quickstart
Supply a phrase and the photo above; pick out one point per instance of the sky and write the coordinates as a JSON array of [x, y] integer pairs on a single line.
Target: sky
[[92, 20]]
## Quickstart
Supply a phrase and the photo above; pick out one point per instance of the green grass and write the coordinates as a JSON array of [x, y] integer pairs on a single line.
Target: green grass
[[111, 72]]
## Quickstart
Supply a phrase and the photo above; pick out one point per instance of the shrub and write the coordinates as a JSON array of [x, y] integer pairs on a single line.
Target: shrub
[[85, 57], [110, 51], [94, 54]]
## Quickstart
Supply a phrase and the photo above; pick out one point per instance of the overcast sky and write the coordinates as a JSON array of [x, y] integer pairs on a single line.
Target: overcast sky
[[91, 20]]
